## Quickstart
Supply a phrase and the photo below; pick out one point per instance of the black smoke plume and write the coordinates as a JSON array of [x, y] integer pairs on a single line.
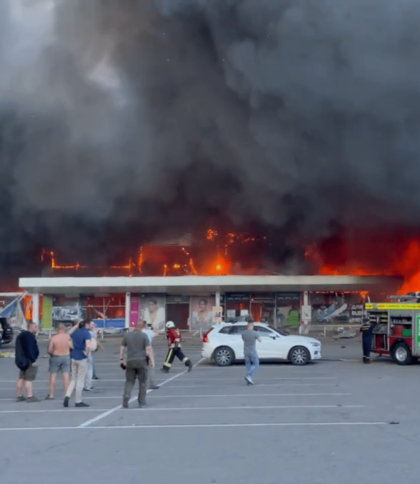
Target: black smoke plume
[[124, 120]]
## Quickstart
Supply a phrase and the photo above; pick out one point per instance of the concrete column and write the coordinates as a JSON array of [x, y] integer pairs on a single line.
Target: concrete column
[[35, 308], [127, 309], [304, 327], [217, 302]]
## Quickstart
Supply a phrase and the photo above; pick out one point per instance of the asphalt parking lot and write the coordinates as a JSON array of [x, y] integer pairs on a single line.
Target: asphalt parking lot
[[331, 421]]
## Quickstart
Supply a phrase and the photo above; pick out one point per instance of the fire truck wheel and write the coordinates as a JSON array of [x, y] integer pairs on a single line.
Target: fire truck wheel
[[223, 356], [401, 354], [299, 356]]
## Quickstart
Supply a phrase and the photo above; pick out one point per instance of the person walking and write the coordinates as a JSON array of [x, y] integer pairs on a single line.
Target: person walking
[[94, 332], [174, 342], [252, 362], [151, 333], [367, 336], [26, 354], [81, 349], [137, 346], [59, 350]]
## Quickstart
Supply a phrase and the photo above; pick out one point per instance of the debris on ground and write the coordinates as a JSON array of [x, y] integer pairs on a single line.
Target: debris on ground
[[6, 354], [345, 334]]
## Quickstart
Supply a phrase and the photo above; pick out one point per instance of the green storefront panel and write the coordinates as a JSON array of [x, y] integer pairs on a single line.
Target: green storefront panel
[[47, 304]]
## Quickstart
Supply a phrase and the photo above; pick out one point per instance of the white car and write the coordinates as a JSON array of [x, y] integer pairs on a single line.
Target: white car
[[223, 344]]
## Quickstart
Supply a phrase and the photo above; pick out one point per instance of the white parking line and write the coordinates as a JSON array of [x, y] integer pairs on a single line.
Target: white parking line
[[234, 395], [271, 379], [174, 387], [183, 409], [112, 410], [195, 426]]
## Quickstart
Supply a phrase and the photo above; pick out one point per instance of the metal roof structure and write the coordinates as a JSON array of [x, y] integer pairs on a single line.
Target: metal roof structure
[[190, 285]]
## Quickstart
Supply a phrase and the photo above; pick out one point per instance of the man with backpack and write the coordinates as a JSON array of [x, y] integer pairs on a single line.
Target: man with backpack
[[26, 354]]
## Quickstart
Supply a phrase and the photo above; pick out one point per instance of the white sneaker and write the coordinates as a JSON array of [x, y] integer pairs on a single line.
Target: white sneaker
[[249, 380]]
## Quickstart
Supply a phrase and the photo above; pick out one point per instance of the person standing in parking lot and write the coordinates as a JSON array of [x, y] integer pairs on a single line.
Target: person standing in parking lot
[[81, 349], [59, 350], [151, 333], [252, 362], [26, 354], [139, 355]]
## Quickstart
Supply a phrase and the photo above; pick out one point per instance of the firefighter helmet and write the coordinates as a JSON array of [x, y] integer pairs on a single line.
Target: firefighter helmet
[[170, 325]]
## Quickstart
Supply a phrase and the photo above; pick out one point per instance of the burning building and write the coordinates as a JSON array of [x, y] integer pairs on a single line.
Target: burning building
[[124, 125]]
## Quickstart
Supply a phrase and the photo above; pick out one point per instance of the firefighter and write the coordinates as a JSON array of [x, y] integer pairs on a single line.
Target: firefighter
[[367, 330], [174, 341]]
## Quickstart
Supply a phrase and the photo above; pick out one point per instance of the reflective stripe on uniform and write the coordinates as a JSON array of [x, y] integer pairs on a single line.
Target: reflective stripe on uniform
[[168, 358]]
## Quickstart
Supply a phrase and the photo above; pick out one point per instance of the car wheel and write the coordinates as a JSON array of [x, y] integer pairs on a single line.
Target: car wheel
[[401, 354], [224, 356], [299, 356]]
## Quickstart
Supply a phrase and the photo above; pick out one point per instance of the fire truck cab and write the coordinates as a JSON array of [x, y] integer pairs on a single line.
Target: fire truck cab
[[397, 328]]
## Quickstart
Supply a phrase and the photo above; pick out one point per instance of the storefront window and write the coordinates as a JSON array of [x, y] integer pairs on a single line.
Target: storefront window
[[263, 307], [288, 309], [336, 307], [237, 304]]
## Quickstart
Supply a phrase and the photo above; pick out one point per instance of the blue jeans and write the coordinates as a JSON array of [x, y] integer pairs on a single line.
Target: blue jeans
[[252, 363]]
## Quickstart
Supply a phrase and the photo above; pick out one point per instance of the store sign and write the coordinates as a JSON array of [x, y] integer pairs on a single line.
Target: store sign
[[288, 297], [237, 297], [134, 311], [177, 299], [262, 298]]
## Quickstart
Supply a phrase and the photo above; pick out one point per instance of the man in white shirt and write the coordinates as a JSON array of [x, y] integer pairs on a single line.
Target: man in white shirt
[[151, 333]]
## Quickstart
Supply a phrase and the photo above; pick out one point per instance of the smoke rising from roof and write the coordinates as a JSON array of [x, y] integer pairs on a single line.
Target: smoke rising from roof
[[123, 120]]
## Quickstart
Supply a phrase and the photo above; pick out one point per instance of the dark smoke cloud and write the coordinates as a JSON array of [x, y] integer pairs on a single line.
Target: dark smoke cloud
[[120, 120]]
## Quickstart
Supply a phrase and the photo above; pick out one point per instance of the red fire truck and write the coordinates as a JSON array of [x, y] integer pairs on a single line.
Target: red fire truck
[[397, 328]]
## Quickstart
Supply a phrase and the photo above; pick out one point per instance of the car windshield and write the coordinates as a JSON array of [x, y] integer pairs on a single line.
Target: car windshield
[[282, 332]]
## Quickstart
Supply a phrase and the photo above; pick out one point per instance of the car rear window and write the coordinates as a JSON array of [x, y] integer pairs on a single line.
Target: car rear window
[[238, 329], [226, 330], [263, 331]]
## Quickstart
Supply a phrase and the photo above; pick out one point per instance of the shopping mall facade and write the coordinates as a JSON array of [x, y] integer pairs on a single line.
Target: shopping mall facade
[[197, 302]]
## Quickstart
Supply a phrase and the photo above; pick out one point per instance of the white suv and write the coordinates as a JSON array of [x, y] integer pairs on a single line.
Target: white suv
[[223, 344]]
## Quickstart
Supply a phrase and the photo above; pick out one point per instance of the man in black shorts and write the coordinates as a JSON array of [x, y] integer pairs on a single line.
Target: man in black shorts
[[26, 354]]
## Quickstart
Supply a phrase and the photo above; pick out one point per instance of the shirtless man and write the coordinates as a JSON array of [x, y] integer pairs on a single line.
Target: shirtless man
[[59, 350]]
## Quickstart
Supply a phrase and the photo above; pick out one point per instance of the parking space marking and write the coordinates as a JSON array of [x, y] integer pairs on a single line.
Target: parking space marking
[[194, 426], [112, 410], [273, 378], [173, 387], [256, 395], [183, 409], [253, 395], [257, 385], [54, 410]]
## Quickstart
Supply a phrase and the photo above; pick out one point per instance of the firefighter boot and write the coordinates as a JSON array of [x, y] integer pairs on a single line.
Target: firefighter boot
[[165, 369]]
